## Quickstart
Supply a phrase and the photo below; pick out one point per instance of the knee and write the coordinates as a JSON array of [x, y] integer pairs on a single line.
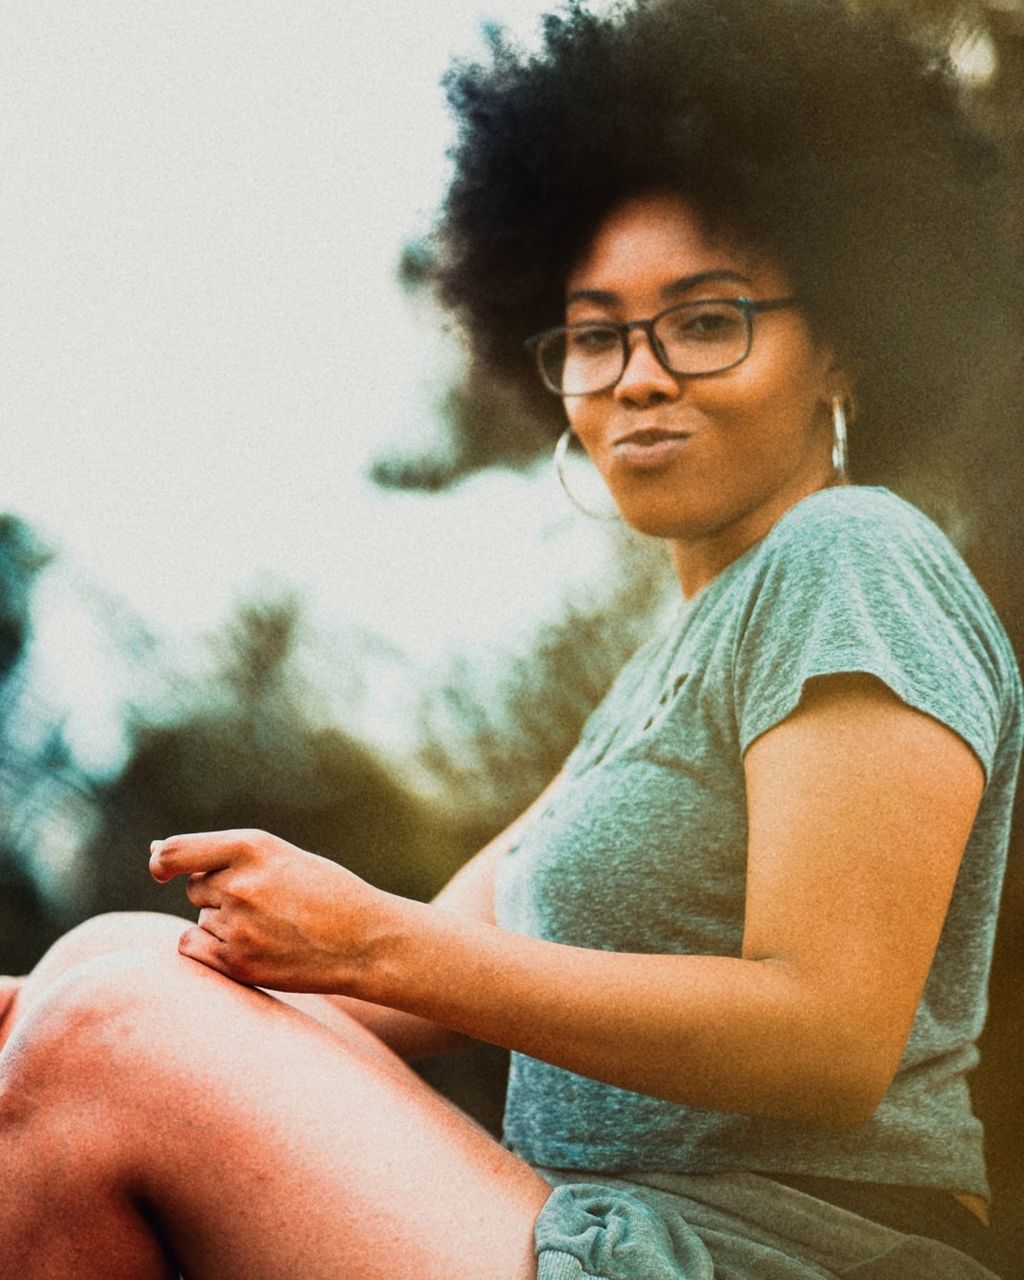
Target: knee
[[103, 935], [78, 1051], [113, 931], [100, 936], [83, 1030]]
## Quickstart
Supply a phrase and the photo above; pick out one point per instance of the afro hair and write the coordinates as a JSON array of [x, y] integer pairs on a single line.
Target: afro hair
[[832, 140]]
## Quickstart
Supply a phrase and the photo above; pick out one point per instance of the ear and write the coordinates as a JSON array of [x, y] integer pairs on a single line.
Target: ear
[[840, 377]]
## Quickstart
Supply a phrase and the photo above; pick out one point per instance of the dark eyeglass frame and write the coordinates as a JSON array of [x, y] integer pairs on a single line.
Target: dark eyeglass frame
[[748, 306]]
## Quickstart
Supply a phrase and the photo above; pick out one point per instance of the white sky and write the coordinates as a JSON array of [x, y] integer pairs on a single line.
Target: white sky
[[202, 205], [201, 208]]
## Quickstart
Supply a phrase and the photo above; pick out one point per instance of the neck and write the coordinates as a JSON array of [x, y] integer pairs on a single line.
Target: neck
[[699, 559]]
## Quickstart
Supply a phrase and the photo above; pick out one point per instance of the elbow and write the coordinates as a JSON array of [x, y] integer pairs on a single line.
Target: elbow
[[840, 1061], [865, 1092], [825, 1106], [822, 1090], [843, 1093], [848, 1110]]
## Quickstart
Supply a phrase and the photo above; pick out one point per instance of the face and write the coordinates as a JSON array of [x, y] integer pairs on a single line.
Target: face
[[707, 462]]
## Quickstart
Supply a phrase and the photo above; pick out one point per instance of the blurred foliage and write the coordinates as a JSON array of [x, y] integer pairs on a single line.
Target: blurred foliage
[[246, 755], [480, 421], [493, 741], [235, 749], [21, 558]]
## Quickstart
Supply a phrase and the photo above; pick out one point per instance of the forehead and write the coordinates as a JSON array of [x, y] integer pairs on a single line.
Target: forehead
[[652, 240]]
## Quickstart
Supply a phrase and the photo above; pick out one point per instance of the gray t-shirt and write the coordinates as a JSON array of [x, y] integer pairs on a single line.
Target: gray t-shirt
[[643, 846]]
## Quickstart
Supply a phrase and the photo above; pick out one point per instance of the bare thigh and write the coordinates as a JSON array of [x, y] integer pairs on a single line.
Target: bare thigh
[[258, 1141]]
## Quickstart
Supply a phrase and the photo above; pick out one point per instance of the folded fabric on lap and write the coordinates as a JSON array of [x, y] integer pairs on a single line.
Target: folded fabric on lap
[[724, 1226]]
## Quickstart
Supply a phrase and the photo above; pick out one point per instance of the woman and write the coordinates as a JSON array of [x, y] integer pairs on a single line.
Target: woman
[[739, 946]]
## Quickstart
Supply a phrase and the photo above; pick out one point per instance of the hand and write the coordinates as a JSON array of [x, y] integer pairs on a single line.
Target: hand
[[271, 915]]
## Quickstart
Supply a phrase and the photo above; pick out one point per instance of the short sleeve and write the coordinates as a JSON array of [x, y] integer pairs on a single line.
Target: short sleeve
[[859, 581]]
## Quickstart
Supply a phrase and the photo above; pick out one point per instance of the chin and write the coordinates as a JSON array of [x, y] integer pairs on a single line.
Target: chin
[[658, 522]]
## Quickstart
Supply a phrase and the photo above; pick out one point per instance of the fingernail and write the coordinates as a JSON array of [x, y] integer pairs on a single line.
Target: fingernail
[[155, 845]]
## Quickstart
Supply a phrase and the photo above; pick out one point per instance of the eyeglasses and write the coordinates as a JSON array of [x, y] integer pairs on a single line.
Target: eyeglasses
[[689, 339]]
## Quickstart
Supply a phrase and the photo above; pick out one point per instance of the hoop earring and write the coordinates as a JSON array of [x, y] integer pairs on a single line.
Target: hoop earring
[[839, 436], [561, 449]]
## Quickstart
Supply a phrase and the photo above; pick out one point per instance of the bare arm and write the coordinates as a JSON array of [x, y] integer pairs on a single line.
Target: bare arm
[[808, 1023], [851, 800]]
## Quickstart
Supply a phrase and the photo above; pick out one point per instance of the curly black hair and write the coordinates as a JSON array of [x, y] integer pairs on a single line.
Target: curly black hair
[[835, 141]]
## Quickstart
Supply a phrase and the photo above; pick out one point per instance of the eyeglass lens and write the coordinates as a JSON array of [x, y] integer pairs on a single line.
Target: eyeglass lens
[[692, 338]]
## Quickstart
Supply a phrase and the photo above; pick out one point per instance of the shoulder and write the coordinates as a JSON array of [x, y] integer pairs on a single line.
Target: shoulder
[[858, 580], [856, 517], [867, 551], [867, 543]]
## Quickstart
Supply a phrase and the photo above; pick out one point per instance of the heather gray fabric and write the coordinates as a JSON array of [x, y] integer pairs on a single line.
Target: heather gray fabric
[[727, 1226], [643, 846]]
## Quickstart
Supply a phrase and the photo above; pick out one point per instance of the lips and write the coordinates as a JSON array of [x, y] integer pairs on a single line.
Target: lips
[[649, 448], [651, 436]]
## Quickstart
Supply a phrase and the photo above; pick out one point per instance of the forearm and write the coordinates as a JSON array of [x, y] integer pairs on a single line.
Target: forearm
[[726, 1033], [470, 894]]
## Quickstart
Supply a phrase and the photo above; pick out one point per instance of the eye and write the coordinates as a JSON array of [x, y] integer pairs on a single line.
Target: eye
[[590, 340], [712, 322], [701, 322]]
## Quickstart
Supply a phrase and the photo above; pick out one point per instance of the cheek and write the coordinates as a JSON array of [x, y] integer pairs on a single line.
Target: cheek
[[784, 397], [585, 418]]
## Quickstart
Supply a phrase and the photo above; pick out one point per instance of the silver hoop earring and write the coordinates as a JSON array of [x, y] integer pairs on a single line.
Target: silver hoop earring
[[561, 449], [839, 436]]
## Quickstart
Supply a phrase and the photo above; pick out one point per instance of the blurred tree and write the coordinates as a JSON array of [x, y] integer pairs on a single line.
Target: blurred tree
[[40, 789], [21, 558], [242, 753], [479, 420], [493, 737]]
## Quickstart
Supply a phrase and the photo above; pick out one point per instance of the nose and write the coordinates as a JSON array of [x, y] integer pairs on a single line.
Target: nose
[[645, 380]]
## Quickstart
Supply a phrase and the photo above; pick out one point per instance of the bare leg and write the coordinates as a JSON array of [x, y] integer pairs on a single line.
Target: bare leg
[[115, 931], [144, 1098], [120, 931], [9, 988]]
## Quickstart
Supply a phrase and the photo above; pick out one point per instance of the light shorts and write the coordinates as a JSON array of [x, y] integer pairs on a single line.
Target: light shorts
[[725, 1226]]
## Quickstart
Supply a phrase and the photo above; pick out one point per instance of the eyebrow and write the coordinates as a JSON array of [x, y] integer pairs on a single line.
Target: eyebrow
[[603, 297]]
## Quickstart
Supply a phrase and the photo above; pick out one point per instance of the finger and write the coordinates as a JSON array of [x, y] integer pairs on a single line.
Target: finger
[[203, 889], [209, 921], [203, 851], [199, 944]]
